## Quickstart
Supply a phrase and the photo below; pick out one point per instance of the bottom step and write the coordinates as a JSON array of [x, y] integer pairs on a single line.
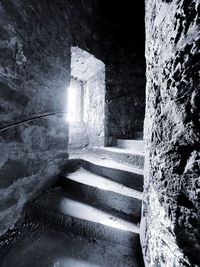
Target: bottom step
[[50, 248], [58, 211]]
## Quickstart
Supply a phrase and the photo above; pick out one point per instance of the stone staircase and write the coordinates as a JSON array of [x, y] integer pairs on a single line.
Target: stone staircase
[[127, 151], [95, 201], [136, 146]]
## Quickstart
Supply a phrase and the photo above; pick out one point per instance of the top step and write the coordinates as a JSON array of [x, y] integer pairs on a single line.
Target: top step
[[138, 135], [136, 146]]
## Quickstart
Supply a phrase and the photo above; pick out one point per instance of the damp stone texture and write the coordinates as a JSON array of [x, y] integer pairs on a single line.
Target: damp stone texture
[[171, 218], [34, 75]]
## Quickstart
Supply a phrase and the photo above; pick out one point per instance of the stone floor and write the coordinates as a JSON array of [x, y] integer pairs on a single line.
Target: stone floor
[[51, 248]]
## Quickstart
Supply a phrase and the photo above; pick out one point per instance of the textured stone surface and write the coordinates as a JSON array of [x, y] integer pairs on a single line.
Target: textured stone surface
[[124, 62], [124, 156], [91, 71], [34, 75], [44, 247], [125, 94], [125, 67], [36, 38], [172, 176], [95, 111], [78, 137], [35, 58]]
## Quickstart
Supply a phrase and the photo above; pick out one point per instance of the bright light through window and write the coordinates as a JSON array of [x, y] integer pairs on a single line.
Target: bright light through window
[[71, 105], [75, 102]]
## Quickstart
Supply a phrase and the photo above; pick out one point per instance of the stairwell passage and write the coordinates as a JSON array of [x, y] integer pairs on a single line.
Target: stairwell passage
[[96, 203]]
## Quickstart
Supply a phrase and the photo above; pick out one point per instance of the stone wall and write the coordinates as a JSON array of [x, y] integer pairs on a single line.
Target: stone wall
[[170, 224], [36, 37], [34, 74], [125, 63], [125, 94], [95, 117], [87, 68], [123, 25]]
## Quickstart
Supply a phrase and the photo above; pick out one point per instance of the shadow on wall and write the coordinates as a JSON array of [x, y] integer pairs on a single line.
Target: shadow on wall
[[32, 154]]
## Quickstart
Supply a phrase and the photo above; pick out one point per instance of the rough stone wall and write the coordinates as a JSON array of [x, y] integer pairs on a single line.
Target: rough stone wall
[[34, 74], [91, 71], [78, 137], [36, 37], [95, 112], [125, 68], [171, 218], [125, 94]]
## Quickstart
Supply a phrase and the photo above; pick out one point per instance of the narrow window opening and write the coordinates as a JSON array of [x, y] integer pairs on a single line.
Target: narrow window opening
[[75, 101]]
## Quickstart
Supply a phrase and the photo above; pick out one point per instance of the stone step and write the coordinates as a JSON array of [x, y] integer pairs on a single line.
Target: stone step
[[45, 247], [136, 146], [97, 159], [112, 179], [121, 155], [63, 212], [122, 206]]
